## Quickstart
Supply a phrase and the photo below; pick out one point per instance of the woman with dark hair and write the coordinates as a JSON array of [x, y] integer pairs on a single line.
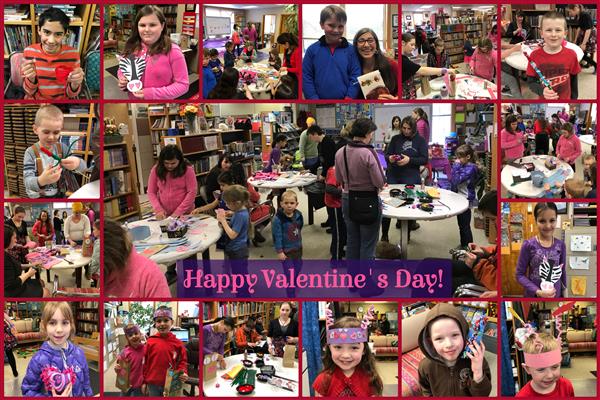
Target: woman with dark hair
[[420, 117], [18, 282], [17, 222], [511, 139], [405, 155], [58, 228], [166, 73], [291, 56], [215, 336], [127, 273], [227, 87], [358, 169], [585, 34], [282, 331], [395, 130], [372, 59], [212, 180], [172, 186], [42, 229], [519, 29]]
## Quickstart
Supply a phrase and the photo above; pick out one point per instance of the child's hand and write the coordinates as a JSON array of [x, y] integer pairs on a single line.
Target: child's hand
[[475, 249], [221, 217], [139, 94], [50, 175], [183, 377], [65, 393], [123, 83], [546, 293], [161, 215], [281, 256], [76, 77], [118, 368], [476, 356], [70, 163], [550, 94], [28, 70], [470, 260]]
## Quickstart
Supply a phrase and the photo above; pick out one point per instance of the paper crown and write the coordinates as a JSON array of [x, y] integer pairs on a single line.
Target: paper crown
[[162, 313], [348, 335], [132, 330]]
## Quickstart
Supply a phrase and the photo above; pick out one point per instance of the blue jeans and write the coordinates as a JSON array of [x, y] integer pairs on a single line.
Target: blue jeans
[[155, 390], [134, 392], [361, 239]]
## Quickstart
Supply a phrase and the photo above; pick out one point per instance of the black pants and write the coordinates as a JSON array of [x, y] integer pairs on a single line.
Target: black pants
[[338, 234], [11, 360], [589, 59], [462, 275], [464, 227], [542, 144]]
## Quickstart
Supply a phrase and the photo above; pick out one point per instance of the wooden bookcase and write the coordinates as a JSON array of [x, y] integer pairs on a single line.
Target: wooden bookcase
[[87, 319]]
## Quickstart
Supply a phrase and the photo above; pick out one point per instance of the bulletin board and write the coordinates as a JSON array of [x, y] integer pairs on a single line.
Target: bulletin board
[[217, 26], [383, 114]]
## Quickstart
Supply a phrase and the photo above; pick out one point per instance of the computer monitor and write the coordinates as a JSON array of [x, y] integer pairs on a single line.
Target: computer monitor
[[183, 335]]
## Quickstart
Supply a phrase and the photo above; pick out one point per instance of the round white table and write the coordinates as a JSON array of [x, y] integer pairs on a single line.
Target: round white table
[[74, 260], [88, 191], [468, 87], [269, 74], [448, 205], [526, 189], [286, 180], [261, 389], [200, 235], [588, 139], [519, 61]]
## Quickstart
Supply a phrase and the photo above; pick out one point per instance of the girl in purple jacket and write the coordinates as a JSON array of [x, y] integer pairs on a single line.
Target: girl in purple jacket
[[541, 268], [59, 368], [463, 180], [172, 185]]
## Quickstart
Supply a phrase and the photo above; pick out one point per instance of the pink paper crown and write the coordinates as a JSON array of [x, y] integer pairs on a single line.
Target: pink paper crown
[[163, 312], [348, 335], [132, 330]]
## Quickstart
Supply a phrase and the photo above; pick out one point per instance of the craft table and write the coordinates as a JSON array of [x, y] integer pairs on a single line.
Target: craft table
[[270, 74], [526, 189], [448, 205], [286, 180], [518, 60], [588, 139], [262, 389], [74, 261], [468, 87], [88, 191], [200, 235]]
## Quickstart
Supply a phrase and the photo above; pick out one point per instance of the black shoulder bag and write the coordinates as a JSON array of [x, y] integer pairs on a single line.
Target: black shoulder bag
[[364, 205]]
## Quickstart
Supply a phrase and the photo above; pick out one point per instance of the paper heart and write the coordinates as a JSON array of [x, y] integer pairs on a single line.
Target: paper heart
[[53, 378], [343, 335], [134, 86]]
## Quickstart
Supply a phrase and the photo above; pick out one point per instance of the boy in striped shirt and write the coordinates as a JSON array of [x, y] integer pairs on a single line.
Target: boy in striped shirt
[[47, 63]]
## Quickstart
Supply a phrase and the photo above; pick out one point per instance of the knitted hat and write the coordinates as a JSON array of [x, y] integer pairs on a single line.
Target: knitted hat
[[310, 121], [77, 207]]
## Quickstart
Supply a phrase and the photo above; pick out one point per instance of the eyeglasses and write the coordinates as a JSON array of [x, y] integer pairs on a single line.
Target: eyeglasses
[[363, 41]]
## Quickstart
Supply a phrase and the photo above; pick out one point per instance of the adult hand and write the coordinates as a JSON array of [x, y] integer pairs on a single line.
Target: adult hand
[[76, 78], [71, 162], [476, 356], [50, 175], [281, 256], [550, 94], [403, 161], [28, 70], [196, 211], [65, 393], [28, 274], [139, 94], [123, 83], [72, 243], [582, 46], [470, 260], [546, 293], [222, 363], [475, 249], [161, 215], [118, 368], [282, 70]]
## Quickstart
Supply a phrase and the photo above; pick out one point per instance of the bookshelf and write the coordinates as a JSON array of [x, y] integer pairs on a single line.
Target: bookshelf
[[161, 119], [533, 15], [87, 319], [23, 310], [80, 123]]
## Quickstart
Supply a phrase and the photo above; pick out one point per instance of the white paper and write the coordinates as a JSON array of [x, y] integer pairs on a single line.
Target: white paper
[[581, 243], [577, 262]]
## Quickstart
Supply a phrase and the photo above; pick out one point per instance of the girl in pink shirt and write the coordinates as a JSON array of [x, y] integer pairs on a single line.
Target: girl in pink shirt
[[568, 148], [133, 357], [511, 139], [172, 186], [127, 273], [483, 62], [166, 73], [420, 117]]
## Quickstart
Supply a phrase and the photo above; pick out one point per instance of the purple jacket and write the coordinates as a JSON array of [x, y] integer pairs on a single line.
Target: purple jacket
[[49, 356], [463, 179], [532, 255]]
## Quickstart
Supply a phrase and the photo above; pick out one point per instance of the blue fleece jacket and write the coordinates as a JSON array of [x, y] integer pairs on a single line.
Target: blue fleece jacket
[[287, 232], [49, 361], [417, 151], [327, 75], [208, 81]]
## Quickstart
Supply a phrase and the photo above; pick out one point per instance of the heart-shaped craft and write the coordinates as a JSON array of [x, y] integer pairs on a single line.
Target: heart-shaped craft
[[55, 379], [134, 85]]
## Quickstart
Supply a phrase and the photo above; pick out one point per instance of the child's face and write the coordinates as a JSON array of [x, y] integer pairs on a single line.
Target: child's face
[[214, 57], [333, 30], [229, 48], [283, 144], [234, 205], [447, 338], [347, 356], [408, 47], [96, 232], [58, 329], [48, 132], [163, 325], [205, 61], [289, 204], [567, 134], [52, 35], [514, 125], [587, 164], [464, 159], [170, 165], [484, 50], [439, 49], [135, 339], [553, 32], [545, 378], [150, 29], [546, 222]]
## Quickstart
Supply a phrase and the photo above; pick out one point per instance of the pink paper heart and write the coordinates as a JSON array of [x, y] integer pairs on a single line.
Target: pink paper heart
[[134, 86]]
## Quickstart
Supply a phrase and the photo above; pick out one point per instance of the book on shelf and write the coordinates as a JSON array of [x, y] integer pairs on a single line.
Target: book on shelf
[[240, 149], [16, 38], [12, 13], [156, 110], [115, 157], [205, 164], [117, 207], [117, 182]]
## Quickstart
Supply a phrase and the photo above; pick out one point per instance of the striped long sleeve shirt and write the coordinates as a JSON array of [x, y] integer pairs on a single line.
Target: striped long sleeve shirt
[[46, 85]]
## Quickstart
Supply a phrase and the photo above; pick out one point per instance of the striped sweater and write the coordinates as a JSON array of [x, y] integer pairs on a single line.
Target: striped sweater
[[46, 85]]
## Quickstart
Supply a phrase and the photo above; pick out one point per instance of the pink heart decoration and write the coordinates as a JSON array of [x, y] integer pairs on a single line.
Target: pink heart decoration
[[343, 335], [134, 86], [55, 379]]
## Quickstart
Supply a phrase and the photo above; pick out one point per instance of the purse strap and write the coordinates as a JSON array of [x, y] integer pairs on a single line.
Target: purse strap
[[346, 165]]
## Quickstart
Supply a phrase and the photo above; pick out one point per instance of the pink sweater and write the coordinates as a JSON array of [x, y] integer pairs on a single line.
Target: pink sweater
[[140, 278], [512, 144], [166, 75], [484, 65], [423, 129], [173, 196], [568, 149]]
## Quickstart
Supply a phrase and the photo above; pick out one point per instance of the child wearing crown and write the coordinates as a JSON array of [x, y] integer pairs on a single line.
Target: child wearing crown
[[348, 364]]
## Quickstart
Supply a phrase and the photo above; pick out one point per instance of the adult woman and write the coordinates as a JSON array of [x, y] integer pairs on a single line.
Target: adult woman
[[420, 117], [542, 131], [405, 155], [250, 33], [291, 56], [519, 29], [42, 229], [372, 58], [18, 282], [358, 169], [215, 335], [172, 185], [58, 228], [166, 73], [10, 342], [511, 139], [396, 122], [585, 33], [282, 331], [17, 222], [77, 226], [212, 183]]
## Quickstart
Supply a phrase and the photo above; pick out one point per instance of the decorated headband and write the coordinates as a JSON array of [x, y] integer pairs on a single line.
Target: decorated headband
[[132, 330], [541, 359], [163, 313], [348, 335]]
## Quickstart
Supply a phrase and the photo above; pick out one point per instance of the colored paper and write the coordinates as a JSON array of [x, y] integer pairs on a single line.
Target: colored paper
[[576, 262], [578, 285], [581, 243]]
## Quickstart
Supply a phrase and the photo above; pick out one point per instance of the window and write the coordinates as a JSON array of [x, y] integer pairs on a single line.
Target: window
[[441, 122]]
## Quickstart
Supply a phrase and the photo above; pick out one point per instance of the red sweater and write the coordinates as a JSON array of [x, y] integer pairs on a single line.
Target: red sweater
[[42, 229], [337, 384], [563, 389], [46, 85], [295, 61], [162, 353]]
